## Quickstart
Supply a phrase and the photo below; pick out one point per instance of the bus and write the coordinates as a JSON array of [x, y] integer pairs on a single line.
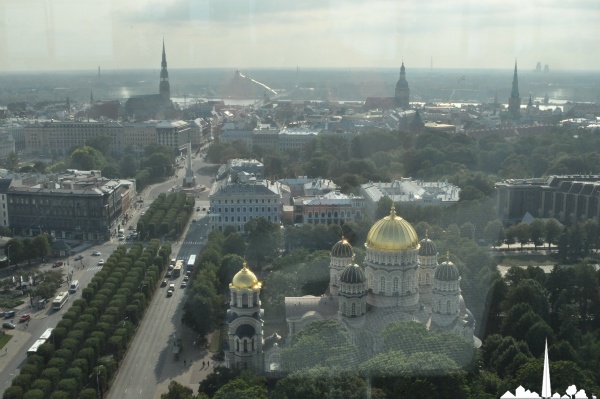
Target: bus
[[177, 268], [74, 286], [34, 348], [190, 263], [42, 340], [60, 300]]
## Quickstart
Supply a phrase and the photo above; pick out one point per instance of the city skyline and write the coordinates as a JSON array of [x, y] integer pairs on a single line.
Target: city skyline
[[74, 35]]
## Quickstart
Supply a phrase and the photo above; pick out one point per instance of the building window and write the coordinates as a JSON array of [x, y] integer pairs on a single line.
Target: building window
[[353, 309], [447, 306], [395, 284], [427, 278], [382, 284]]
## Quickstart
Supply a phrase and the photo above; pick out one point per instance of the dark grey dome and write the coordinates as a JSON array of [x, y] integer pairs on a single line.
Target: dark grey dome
[[446, 272], [353, 274], [427, 248], [342, 249]]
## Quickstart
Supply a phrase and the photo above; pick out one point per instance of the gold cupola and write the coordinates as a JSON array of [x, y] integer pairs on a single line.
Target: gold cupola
[[244, 279], [392, 233]]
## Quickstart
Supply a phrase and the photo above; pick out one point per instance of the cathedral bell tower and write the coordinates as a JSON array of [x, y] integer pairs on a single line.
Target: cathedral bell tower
[[446, 296], [514, 101], [245, 322], [164, 88], [402, 93]]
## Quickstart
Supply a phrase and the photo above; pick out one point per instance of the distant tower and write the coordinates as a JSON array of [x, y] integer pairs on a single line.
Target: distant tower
[[353, 292], [445, 295], [245, 323], [68, 105], [91, 98], [428, 255], [190, 179], [164, 88], [546, 386], [514, 102], [342, 255], [402, 90]]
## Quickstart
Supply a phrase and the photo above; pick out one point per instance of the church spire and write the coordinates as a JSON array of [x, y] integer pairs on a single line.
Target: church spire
[[514, 101], [546, 388], [402, 94], [164, 87]]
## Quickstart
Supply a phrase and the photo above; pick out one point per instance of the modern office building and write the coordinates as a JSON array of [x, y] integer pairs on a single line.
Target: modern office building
[[569, 199]]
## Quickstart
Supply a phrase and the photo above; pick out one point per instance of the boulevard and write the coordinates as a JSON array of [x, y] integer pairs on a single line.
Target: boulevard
[[149, 359]]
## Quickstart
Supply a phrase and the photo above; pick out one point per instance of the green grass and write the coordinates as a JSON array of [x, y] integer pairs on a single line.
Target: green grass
[[526, 260], [4, 338], [217, 338]]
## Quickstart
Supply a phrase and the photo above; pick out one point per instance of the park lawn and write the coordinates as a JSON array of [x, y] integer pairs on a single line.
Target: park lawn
[[216, 338], [4, 338], [527, 260]]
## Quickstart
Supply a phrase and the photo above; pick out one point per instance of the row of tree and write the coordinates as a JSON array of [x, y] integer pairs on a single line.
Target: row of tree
[[167, 215], [19, 250], [93, 335]]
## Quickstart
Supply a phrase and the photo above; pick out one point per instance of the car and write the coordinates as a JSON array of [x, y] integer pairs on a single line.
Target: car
[[58, 263], [183, 284], [79, 257], [10, 314], [8, 325], [194, 220], [203, 209], [25, 317], [186, 278], [172, 287], [188, 273], [169, 273], [121, 238], [164, 283], [131, 227], [140, 201], [101, 262], [198, 209], [96, 253], [169, 293]]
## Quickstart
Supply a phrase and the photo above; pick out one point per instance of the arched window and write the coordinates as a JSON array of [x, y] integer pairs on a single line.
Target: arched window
[[427, 278], [255, 300], [252, 344], [409, 284], [244, 300], [237, 345], [245, 345], [382, 284], [447, 306], [371, 282], [235, 299], [353, 309], [344, 308], [395, 284], [439, 305]]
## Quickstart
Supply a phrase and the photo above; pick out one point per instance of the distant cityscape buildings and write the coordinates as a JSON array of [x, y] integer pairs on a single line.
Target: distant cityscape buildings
[[569, 199]]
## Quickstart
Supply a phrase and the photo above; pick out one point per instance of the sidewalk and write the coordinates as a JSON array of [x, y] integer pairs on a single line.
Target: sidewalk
[[16, 343]]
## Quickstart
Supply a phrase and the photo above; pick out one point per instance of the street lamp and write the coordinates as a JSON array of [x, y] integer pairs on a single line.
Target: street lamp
[[98, 382]]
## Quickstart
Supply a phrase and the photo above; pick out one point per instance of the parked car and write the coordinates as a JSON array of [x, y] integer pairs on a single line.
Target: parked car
[[101, 262], [10, 314], [169, 273], [96, 253], [8, 325], [169, 292], [131, 227], [58, 263], [164, 283], [186, 278], [79, 257], [183, 284], [25, 317]]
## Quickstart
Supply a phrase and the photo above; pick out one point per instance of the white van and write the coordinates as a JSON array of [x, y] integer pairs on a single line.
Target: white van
[[74, 286]]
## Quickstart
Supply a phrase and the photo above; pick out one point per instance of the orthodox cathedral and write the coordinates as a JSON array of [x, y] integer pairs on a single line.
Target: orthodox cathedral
[[400, 280]]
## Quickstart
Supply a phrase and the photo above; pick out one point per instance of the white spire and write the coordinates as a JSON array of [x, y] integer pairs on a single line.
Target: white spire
[[546, 389]]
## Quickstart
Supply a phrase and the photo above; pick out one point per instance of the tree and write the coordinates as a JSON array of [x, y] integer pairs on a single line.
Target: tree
[[234, 244], [263, 239], [41, 246], [536, 232], [494, 232], [12, 161], [529, 292], [246, 386], [218, 378], [177, 391], [384, 205], [552, 231]]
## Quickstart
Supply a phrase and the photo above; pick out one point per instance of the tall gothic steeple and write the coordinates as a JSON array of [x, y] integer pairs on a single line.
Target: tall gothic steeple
[[402, 93], [514, 102], [164, 87]]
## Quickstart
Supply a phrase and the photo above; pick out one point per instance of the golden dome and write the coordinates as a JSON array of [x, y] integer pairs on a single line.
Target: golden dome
[[244, 279], [392, 233]]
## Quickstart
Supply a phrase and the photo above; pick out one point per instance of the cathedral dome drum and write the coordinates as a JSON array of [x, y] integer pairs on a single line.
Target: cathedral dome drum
[[392, 233], [427, 247], [244, 279], [446, 271], [342, 249], [353, 274]]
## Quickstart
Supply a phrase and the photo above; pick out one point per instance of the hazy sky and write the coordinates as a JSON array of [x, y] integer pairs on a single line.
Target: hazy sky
[[82, 34]]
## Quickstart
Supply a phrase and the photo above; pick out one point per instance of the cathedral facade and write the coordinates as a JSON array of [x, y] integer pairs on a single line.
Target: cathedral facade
[[400, 280]]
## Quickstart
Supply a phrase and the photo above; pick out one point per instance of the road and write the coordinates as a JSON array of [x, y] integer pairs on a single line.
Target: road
[[150, 360], [142, 368], [42, 319]]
